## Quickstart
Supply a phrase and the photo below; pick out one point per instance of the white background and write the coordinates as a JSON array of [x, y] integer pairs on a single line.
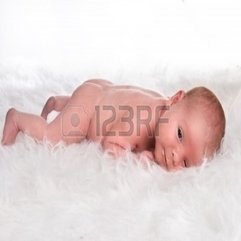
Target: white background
[[126, 34]]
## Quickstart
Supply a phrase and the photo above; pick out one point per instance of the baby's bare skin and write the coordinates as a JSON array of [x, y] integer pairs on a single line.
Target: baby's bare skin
[[121, 117], [113, 115]]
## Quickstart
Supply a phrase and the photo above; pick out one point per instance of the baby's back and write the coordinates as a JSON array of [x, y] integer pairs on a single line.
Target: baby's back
[[119, 112]]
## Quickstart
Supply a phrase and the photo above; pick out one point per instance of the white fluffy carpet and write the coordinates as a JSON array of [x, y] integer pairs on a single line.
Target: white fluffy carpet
[[79, 193]]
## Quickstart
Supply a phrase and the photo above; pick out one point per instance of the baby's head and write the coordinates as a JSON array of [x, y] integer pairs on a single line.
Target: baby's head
[[190, 130]]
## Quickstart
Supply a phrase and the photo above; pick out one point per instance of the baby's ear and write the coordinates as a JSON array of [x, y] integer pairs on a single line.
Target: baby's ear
[[177, 97]]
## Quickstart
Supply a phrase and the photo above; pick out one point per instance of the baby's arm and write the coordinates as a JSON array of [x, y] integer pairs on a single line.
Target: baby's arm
[[116, 149], [115, 146]]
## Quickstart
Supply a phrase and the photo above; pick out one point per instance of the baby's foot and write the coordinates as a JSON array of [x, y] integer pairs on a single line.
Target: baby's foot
[[48, 107], [10, 129]]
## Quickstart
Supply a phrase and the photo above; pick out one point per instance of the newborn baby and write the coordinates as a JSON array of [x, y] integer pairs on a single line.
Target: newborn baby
[[174, 132]]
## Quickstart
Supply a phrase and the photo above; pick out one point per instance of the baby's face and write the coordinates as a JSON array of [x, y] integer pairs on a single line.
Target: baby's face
[[180, 142]]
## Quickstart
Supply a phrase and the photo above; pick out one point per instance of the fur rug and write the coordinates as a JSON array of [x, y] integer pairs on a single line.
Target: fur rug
[[80, 193]]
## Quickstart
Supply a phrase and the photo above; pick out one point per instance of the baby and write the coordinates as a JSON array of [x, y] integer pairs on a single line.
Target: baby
[[174, 132]]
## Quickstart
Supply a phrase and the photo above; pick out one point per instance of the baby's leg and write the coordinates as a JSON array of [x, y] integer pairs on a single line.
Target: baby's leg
[[70, 126], [56, 103], [17, 121]]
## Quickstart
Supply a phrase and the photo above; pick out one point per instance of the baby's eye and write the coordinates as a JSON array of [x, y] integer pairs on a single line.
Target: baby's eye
[[179, 134], [185, 163]]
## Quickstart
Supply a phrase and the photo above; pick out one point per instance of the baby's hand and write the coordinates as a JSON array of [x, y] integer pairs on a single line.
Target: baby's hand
[[113, 148], [148, 154]]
